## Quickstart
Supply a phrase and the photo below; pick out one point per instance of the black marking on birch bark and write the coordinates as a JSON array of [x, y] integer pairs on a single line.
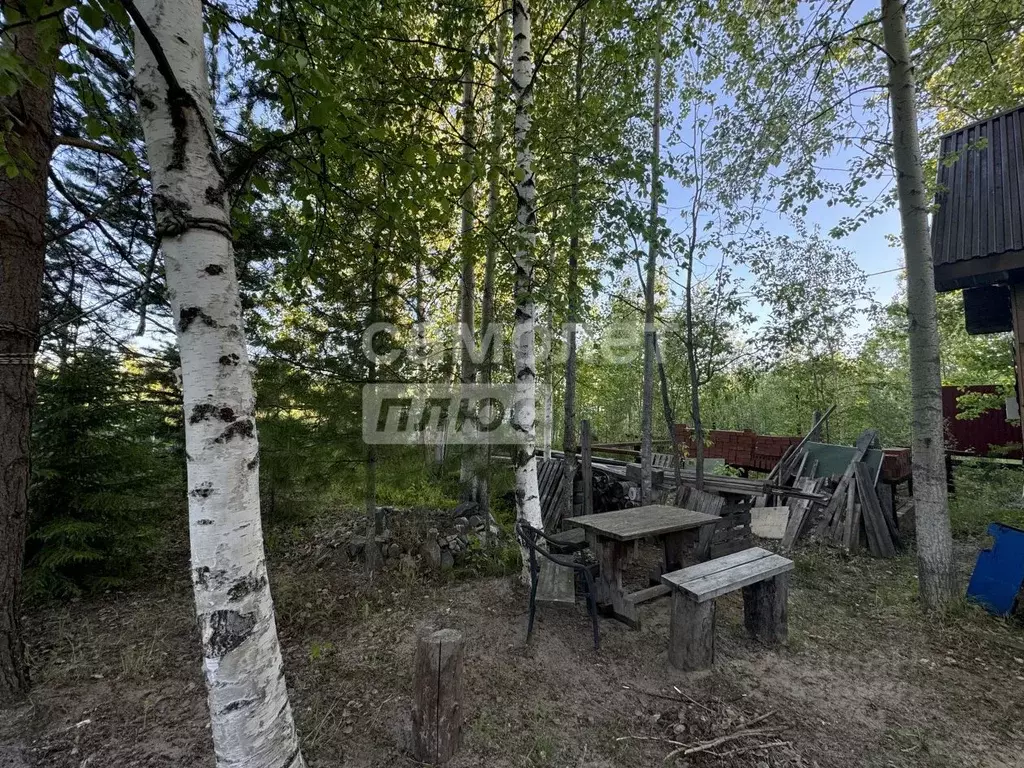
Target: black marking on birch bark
[[246, 586], [290, 761], [240, 428], [213, 269], [228, 630], [254, 463], [177, 101], [215, 195], [188, 315], [201, 412], [231, 359], [202, 491], [204, 521], [201, 576], [237, 704]]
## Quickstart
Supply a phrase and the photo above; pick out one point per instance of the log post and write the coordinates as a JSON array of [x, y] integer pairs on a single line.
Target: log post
[[587, 469], [437, 696], [765, 614], [691, 643]]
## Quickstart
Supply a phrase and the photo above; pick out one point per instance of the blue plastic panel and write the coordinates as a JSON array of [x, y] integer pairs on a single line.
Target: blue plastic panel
[[999, 572]]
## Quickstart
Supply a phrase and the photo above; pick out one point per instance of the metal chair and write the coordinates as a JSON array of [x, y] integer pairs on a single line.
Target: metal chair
[[534, 541]]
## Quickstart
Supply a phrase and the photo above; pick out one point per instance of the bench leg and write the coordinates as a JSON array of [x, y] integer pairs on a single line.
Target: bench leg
[[765, 614], [691, 641]]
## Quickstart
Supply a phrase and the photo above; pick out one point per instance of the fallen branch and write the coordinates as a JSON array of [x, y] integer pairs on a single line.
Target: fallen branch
[[752, 748], [717, 742]]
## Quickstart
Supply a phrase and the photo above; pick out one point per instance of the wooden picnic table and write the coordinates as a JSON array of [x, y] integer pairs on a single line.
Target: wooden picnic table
[[610, 535]]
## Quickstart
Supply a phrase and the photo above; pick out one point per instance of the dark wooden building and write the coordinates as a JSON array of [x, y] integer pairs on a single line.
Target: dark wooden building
[[978, 225]]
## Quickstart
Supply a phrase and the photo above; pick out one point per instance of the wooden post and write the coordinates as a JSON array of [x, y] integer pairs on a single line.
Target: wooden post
[[587, 469], [765, 614], [1017, 309], [815, 434], [691, 641], [437, 696]]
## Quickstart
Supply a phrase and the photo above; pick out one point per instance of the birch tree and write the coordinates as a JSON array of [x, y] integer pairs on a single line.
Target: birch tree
[[524, 412], [934, 540], [249, 709]]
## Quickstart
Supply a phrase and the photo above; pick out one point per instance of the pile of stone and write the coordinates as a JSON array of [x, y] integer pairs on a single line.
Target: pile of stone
[[443, 545], [440, 538]]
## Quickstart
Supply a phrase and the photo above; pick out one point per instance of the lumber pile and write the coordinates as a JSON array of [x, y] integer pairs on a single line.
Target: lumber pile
[[855, 517]]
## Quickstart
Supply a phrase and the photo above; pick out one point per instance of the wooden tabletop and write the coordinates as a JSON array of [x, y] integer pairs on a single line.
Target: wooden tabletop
[[640, 522]]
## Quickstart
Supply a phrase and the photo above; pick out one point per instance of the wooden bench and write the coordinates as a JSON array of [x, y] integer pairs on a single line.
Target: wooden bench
[[764, 578]]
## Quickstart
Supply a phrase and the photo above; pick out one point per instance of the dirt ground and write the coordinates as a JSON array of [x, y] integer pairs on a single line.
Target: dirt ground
[[866, 680]]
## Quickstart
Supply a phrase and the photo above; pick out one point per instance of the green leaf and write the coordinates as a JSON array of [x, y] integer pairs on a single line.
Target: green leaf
[[92, 16]]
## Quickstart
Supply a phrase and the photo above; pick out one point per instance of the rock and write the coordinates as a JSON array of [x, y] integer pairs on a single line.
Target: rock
[[356, 545], [461, 524], [495, 531], [463, 540], [476, 521], [447, 560], [431, 552], [394, 551], [465, 509]]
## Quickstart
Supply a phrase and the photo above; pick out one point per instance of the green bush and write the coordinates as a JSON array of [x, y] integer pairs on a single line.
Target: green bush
[[107, 465]]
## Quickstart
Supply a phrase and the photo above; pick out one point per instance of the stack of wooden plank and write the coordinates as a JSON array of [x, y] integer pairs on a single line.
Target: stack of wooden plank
[[731, 534], [856, 517]]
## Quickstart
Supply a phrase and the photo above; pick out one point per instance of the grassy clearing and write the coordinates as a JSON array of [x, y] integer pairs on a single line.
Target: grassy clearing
[[984, 494]]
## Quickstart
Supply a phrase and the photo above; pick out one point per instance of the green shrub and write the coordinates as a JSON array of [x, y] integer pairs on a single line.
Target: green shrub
[[107, 465]]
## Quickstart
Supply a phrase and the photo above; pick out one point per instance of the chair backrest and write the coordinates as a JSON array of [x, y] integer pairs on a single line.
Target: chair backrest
[[534, 539], [688, 497]]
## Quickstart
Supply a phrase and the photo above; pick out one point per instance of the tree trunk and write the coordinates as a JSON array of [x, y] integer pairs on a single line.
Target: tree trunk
[[569, 427], [467, 374], [374, 557], [493, 207], [524, 411], [670, 419], [22, 256], [249, 710], [691, 358], [934, 540], [646, 415]]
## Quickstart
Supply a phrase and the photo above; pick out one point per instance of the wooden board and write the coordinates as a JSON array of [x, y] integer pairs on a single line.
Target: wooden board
[[726, 574], [879, 540], [641, 522], [769, 522]]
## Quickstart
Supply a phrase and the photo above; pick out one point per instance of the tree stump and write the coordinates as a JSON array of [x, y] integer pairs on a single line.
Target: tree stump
[[765, 614], [691, 644], [437, 696]]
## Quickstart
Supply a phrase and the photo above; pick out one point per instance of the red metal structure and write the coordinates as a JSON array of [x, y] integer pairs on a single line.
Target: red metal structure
[[979, 436], [760, 453]]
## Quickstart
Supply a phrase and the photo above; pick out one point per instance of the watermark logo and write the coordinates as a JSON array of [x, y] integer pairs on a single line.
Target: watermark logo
[[417, 414]]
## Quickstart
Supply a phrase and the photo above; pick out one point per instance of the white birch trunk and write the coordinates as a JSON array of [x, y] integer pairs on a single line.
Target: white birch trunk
[[249, 709], [646, 415], [524, 412], [934, 541]]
